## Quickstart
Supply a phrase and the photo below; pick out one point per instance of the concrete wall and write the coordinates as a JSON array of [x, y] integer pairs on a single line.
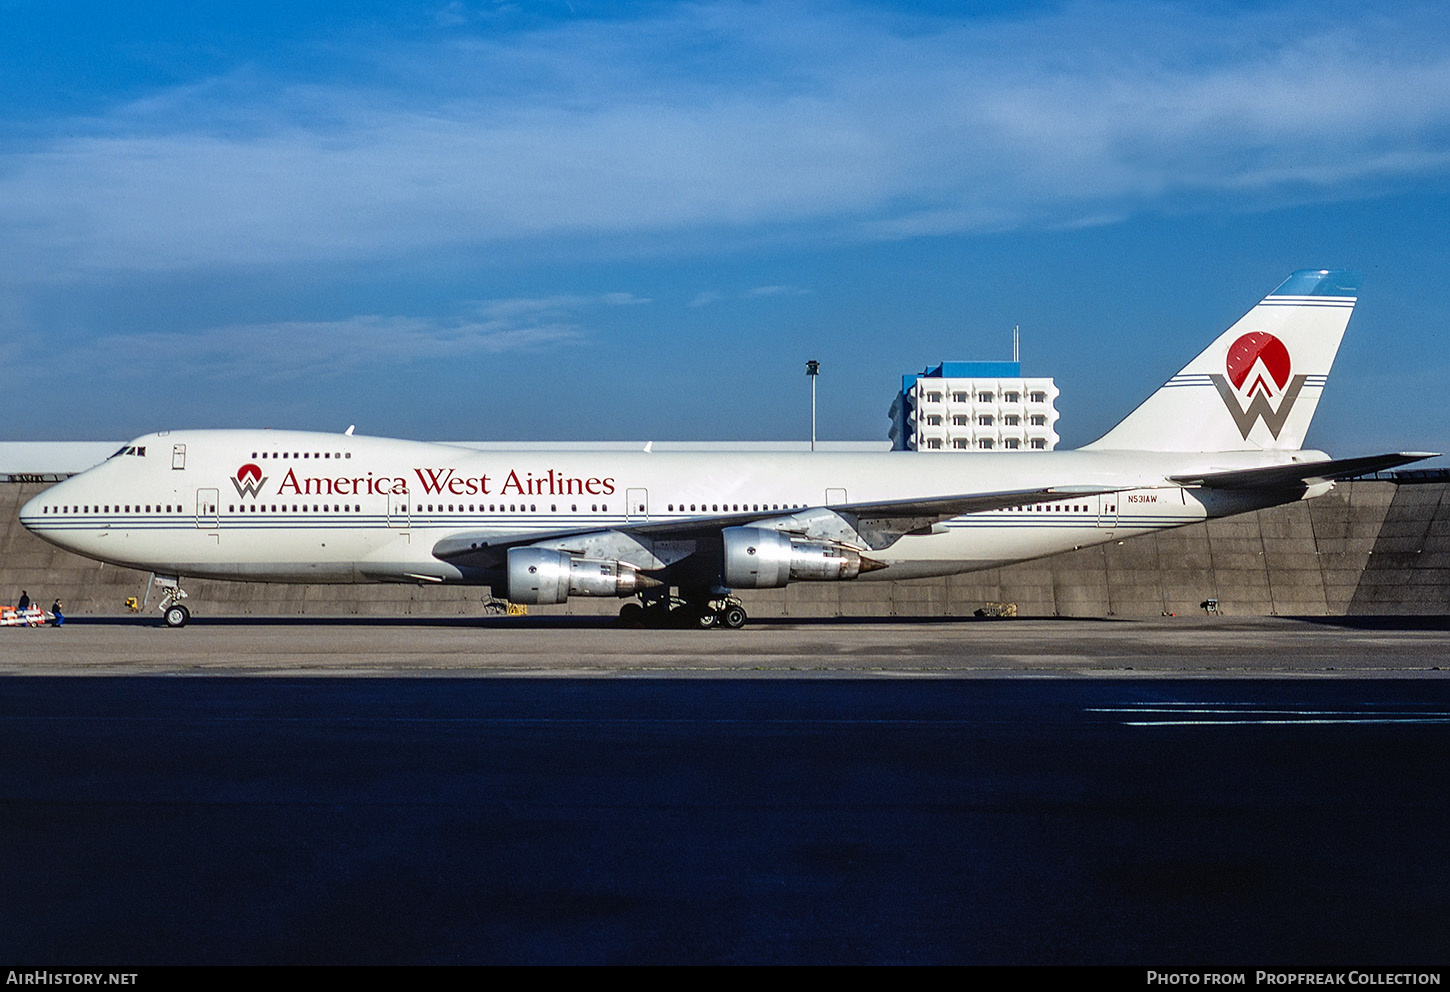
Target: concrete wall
[[1366, 548]]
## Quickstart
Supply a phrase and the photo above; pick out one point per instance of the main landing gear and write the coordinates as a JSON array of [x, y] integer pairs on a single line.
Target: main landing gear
[[683, 613]]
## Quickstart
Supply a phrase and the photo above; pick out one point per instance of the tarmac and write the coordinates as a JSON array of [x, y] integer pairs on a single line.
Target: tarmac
[[585, 647], [1292, 823]]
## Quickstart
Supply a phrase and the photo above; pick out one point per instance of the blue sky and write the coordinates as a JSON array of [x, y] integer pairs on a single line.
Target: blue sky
[[574, 221]]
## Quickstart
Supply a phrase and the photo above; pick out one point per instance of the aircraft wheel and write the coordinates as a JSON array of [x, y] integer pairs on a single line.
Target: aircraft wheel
[[631, 615], [706, 619], [733, 617], [176, 616]]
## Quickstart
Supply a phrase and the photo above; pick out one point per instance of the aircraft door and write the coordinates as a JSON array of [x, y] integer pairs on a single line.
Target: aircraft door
[[636, 505], [835, 497], [208, 515], [178, 456], [398, 512], [1108, 510]]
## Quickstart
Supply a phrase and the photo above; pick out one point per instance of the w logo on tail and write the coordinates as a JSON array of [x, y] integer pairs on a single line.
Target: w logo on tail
[[1258, 385], [249, 480], [1269, 370]]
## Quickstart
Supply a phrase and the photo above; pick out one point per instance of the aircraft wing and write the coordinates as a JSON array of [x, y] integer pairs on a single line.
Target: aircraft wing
[[1299, 473], [875, 525]]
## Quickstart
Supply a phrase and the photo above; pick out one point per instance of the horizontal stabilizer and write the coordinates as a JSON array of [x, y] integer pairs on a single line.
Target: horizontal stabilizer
[[1300, 473]]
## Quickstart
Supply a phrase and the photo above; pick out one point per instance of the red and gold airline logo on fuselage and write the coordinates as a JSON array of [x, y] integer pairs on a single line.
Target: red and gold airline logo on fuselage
[[249, 480], [1259, 385]]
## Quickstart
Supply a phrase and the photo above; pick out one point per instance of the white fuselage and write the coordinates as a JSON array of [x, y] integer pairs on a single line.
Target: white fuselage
[[337, 508]]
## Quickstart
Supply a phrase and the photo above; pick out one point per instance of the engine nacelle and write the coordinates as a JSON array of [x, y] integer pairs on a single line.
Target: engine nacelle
[[541, 577], [756, 558]]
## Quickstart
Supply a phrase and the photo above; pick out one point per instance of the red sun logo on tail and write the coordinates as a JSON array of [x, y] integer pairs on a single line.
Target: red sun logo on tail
[[1252, 349], [1258, 367], [249, 480]]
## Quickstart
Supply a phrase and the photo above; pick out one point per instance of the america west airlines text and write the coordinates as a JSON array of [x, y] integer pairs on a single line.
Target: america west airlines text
[[447, 481]]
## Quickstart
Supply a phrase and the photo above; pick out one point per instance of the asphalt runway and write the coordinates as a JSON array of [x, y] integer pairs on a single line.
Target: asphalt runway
[[585, 647], [241, 796]]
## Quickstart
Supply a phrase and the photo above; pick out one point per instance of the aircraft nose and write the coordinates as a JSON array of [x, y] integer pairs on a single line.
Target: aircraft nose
[[39, 516], [31, 512]]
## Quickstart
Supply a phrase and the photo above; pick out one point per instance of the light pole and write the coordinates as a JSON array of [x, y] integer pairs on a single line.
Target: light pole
[[813, 369]]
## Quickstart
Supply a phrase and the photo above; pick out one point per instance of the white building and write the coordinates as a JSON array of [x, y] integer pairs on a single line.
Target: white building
[[974, 406]]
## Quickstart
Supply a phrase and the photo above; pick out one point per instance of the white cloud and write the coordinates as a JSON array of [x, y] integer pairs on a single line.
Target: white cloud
[[762, 292], [284, 350], [744, 120]]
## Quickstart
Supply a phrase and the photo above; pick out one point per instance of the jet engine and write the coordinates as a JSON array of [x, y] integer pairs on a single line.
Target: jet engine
[[756, 558], [541, 577]]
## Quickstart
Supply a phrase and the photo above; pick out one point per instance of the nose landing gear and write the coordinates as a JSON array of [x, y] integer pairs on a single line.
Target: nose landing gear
[[173, 614]]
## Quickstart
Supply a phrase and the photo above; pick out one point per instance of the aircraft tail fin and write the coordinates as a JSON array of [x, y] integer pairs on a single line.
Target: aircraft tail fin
[[1258, 384]]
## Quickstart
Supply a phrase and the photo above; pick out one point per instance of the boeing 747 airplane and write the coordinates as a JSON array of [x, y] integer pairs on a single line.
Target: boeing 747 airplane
[[683, 530]]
